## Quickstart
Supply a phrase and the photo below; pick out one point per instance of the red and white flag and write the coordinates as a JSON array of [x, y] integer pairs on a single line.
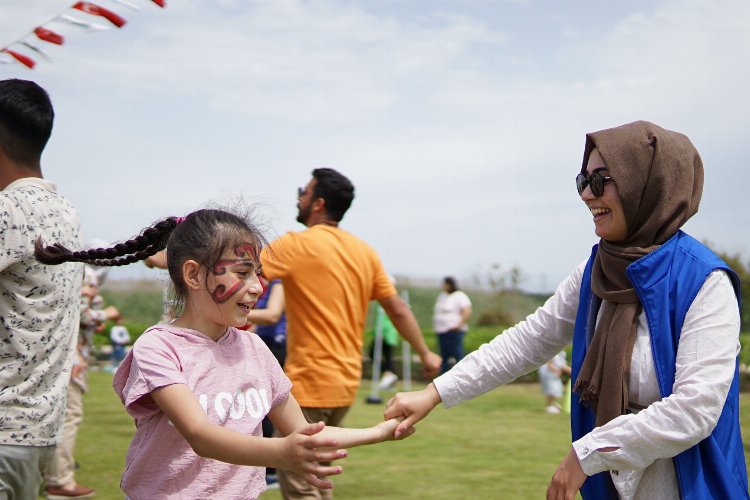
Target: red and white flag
[[93, 9], [160, 3], [49, 36], [25, 60]]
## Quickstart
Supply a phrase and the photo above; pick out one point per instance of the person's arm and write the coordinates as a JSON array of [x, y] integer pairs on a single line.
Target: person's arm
[[300, 451], [159, 260], [403, 319], [465, 315], [516, 351], [273, 310], [287, 416]]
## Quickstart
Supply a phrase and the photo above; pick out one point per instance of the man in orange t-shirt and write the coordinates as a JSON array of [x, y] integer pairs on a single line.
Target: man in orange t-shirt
[[329, 278]]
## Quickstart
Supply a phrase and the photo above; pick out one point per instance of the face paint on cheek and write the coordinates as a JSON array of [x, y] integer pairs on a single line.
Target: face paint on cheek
[[221, 294]]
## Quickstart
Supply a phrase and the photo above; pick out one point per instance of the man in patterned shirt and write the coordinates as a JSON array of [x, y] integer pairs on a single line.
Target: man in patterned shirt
[[38, 304]]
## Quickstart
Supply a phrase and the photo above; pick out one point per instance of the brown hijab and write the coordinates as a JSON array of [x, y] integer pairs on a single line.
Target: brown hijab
[[659, 178]]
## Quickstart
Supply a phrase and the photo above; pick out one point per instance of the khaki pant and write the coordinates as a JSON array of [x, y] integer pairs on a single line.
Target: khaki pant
[[294, 486], [21, 470], [61, 470]]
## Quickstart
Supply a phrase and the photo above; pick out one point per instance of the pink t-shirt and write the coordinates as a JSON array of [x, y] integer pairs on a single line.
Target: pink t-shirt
[[236, 380]]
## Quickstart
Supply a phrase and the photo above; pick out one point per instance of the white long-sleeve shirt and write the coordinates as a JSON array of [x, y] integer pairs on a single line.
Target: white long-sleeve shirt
[[641, 467]]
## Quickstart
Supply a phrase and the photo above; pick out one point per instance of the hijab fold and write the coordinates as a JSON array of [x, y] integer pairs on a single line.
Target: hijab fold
[[659, 178]]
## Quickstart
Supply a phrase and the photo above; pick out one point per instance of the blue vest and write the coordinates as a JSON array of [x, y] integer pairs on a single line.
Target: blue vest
[[667, 280]]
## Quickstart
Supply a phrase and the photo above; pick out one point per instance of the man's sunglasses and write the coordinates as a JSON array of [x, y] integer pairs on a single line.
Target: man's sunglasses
[[596, 180]]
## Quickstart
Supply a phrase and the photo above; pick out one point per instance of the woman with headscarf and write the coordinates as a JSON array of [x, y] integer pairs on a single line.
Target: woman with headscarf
[[654, 319]]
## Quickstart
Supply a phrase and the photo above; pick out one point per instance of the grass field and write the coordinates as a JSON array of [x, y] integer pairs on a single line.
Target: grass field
[[502, 445]]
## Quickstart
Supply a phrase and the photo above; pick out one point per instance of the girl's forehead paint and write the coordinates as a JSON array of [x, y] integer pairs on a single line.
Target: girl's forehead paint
[[246, 250]]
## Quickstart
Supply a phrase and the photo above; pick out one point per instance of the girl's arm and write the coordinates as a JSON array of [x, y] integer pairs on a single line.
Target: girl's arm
[[300, 451], [287, 417], [273, 310]]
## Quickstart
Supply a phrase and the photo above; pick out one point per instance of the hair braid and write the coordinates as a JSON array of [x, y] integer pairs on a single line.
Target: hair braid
[[150, 241]]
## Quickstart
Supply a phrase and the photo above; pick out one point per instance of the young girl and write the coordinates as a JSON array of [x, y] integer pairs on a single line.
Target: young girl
[[197, 387]]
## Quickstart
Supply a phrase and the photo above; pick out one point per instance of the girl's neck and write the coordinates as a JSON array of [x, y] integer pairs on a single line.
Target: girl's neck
[[188, 319]]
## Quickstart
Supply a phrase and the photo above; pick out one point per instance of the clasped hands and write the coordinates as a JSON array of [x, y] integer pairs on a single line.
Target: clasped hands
[[412, 407]]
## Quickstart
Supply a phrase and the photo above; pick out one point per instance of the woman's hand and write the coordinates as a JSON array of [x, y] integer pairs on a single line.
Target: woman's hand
[[412, 407], [303, 450], [567, 479]]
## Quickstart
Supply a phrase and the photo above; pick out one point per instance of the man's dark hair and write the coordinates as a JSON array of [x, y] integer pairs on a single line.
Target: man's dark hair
[[335, 189], [26, 117], [451, 283]]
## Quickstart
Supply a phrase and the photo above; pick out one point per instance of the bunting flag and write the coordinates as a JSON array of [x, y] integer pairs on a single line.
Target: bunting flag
[[19, 53], [25, 60], [95, 10], [49, 36]]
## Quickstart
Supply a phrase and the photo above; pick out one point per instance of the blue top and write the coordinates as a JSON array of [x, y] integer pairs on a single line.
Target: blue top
[[276, 332]]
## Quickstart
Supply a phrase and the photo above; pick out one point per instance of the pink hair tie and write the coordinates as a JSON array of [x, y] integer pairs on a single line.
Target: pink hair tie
[[179, 219]]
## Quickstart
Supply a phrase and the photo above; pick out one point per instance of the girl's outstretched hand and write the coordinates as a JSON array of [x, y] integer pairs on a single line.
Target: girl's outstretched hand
[[387, 429], [305, 448], [567, 479], [411, 407]]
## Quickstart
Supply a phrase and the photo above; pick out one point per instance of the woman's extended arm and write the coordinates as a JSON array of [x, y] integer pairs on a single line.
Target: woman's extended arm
[[516, 351]]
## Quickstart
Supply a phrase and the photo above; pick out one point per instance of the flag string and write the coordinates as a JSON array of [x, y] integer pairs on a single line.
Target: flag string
[[25, 49]]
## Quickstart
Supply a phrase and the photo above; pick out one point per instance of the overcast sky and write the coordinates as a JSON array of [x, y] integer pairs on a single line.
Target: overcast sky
[[460, 123]]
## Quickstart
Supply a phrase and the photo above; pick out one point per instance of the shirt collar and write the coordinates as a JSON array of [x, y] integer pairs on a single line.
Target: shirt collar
[[32, 181]]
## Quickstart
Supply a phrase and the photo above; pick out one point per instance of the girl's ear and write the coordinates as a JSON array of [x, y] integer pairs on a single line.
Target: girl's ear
[[191, 274]]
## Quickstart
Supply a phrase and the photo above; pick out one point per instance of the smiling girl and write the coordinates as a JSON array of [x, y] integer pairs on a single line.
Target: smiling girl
[[197, 387]]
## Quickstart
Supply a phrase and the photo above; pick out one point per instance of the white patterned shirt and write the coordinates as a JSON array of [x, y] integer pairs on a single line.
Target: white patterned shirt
[[641, 467], [39, 311]]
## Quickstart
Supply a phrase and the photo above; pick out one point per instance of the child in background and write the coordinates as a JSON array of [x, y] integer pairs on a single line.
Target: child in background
[[197, 387], [550, 376], [119, 337]]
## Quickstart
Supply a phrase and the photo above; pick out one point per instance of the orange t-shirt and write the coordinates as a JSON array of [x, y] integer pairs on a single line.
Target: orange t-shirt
[[329, 277]]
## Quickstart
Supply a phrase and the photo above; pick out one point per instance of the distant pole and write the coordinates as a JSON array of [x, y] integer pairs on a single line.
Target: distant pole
[[377, 356], [406, 352]]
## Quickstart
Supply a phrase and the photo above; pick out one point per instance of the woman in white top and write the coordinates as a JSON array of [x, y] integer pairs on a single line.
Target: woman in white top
[[450, 321], [654, 320]]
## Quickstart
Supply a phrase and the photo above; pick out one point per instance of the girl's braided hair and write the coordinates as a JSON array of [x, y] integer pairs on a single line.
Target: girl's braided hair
[[201, 236], [150, 241]]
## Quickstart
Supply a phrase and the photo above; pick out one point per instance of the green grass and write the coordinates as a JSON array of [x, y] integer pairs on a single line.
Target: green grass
[[501, 445]]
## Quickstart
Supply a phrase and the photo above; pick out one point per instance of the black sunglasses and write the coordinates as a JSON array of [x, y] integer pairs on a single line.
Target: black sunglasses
[[300, 192], [596, 180]]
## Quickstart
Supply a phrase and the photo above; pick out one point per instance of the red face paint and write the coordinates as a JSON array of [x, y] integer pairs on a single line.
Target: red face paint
[[221, 294], [220, 267]]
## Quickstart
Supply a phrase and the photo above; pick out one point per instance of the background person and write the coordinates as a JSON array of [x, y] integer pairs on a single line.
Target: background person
[[550, 378], [269, 323], [59, 477], [450, 322], [38, 304], [329, 278], [198, 388], [654, 319]]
